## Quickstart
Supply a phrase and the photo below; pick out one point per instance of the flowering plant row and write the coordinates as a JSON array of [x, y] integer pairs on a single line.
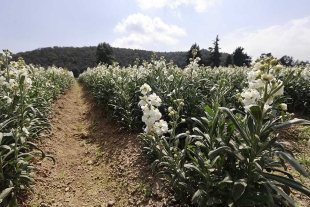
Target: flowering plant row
[[212, 133], [26, 93], [116, 88]]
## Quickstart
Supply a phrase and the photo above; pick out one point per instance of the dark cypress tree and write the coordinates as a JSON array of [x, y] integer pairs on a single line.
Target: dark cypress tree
[[215, 53], [240, 58], [189, 53], [105, 54]]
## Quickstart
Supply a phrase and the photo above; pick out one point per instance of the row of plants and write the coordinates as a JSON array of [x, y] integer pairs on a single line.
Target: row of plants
[[117, 89], [212, 132], [26, 94]]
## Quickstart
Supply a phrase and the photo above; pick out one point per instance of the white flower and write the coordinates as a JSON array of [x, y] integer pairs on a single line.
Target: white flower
[[283, 107], [150, 115], [266, 107], [145, 88], [154, 99], [280, 92], [8, 99], [194, 74], [252, 75], [267, 77], [161, 127], [2, 80], [170, 78], [256, 84], [250, 96], [143, 101], [25, 130]]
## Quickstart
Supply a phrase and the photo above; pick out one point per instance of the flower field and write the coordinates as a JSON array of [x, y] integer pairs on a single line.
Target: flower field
[[26, 93], [212, 133]]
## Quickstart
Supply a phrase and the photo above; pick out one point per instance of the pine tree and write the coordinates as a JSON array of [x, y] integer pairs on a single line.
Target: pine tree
[[215, 53]]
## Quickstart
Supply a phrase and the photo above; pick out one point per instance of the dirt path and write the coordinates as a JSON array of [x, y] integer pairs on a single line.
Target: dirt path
[[96, 165]]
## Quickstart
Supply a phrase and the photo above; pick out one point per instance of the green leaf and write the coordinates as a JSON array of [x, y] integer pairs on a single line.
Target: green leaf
[[256, 113], [212, 154], [5, 193], [282, 193], [267, 145], [194, 168], [239, 188], [289, 182], [198, 196], [213, 200], [290, 123], [252, 200], [27, 178], [237, 124], [209, 111], [291, 161]]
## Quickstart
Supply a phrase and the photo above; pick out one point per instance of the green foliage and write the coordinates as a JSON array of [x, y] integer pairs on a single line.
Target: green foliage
[[228, 61], [287, 60], [240, 58], [115, 88], [218, 151], [78, 59], [25, 96], [105, 54]]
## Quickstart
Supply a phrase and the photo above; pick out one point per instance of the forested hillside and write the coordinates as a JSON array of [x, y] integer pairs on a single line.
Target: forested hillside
[[78, 59]]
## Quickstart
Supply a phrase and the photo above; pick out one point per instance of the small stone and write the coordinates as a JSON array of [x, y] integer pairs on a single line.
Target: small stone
[[111, 203], [84, 135], [67, 189], [90, 162]]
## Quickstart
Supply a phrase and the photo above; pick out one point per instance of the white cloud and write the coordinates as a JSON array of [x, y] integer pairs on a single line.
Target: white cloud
[[141, 30], [200, 5], [292, 38]]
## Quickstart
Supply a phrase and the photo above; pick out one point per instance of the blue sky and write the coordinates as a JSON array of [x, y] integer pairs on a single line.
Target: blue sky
[[281, 27]]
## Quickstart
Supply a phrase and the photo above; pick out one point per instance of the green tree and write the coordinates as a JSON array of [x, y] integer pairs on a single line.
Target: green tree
[[287, 60], [266, 55], [240, 58], [228, 61], [215, 55], [105, 54], [189, 53]]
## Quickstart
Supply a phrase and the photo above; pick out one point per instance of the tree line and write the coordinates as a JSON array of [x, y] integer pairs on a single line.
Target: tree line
[[78, 59]]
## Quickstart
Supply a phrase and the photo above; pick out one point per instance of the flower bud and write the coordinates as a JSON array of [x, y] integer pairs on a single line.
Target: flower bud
[[283, 107], [273, 62]]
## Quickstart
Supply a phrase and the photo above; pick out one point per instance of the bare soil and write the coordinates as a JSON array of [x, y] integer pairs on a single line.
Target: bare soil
[[96, 164]]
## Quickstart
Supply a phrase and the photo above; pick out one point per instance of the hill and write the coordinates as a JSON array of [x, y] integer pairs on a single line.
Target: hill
[[78, 59]]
